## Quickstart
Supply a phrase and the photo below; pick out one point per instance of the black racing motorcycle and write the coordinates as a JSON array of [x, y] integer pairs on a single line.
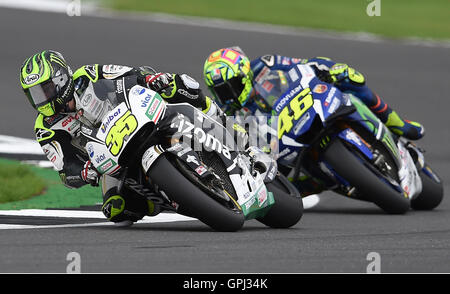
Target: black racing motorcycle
[[184, 161]]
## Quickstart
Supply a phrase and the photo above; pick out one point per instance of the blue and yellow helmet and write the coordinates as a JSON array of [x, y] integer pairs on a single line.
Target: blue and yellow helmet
[[228, 75], [47, 81]]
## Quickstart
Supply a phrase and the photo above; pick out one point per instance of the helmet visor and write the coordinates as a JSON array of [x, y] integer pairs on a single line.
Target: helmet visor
[[42, 93], [230, 90]]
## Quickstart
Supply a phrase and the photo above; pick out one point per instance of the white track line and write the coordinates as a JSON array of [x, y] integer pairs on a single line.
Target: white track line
[[308, 203], [160, 218], [15, 145], [53, 213]]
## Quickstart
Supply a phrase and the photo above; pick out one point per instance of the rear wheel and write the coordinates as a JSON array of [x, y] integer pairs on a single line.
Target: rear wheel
[[366, 182], [192, 200], [288, 207], [432, 191]]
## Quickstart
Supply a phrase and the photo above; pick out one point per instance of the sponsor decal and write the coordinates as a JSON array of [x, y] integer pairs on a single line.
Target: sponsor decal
[[320, 88], [108, 165], [329, 96], [268, 86], [119, 86], [288, 97], [109, 119], [90, 150], [334, 105], [91, 70], [293, 75], [249, 203], [285, 151], [86, 99], [138, 91], [191, 158], [187, 94], [154, 110], [216, 74], [262, 74], [301, 123], [269, 60], [42, 133], [200, 170], [291, 156], [206, 139], [146, 100], [31, 79], [86, 130], [69, 119], [54, 154], [286, 61], [100, 158], [352, 136], [262, 196], [149, 157]]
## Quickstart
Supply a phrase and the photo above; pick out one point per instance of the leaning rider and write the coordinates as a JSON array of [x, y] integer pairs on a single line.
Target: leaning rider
[[231, 77], [55, 92]]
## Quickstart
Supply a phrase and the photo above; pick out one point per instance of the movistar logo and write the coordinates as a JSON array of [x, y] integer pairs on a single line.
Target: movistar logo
[[288, 97]]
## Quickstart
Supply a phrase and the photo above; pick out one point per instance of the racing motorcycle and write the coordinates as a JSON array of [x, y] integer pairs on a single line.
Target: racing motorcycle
[[334, 138], [182, 160]]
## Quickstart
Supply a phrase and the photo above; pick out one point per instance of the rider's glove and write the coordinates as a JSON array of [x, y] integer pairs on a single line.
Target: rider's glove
[[89, 174], [339, 72], [159, 81]]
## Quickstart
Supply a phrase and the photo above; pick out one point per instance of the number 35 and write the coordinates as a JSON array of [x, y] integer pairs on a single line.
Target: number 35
[[122, 128]]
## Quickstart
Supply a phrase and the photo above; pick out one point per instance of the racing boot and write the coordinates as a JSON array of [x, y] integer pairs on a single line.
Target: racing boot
[[409, 129], [124, 212]]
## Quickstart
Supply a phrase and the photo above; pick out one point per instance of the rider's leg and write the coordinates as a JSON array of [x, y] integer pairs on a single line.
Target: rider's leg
[[354, 82]]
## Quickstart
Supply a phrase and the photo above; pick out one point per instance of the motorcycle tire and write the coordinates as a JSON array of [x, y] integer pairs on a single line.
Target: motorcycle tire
[[192, 200], [431, 195], [288, 207], [375, 190]]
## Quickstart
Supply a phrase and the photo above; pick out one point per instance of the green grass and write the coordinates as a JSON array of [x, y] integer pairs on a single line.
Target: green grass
[[18, 182], [31, 187], [399, 18]]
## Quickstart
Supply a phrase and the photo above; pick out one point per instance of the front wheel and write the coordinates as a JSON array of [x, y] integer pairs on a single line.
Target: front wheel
[[348, 166], [432, 191], [288, 207], [192, 200]]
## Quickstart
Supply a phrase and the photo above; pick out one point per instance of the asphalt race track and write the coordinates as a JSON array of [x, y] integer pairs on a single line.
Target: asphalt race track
[[335, 236]]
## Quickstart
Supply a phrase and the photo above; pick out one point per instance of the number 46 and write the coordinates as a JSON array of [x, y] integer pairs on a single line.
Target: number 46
[[296, 108]]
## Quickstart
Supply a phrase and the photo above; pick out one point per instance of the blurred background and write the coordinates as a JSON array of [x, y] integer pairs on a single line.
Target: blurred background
[[401, 46]]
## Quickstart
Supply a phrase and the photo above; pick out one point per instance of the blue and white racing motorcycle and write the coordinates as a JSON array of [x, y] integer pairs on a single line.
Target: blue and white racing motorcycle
[[336, 139]]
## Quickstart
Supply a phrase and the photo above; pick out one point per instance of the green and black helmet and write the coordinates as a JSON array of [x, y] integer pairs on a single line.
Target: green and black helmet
[[47, 81]]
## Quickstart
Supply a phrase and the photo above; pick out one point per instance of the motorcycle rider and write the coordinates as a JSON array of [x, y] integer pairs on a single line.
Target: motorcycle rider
[[55, 92], [231, 77]]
